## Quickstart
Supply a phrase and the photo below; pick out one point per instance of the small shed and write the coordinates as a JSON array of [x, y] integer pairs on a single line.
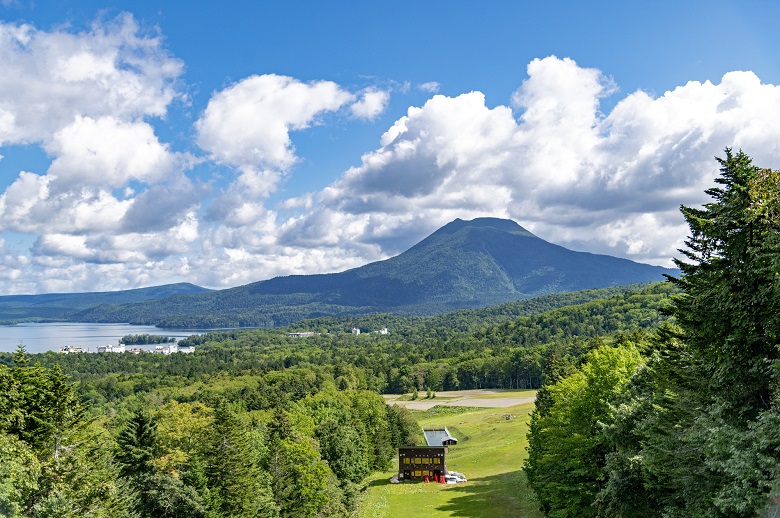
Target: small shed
[[438, 436]]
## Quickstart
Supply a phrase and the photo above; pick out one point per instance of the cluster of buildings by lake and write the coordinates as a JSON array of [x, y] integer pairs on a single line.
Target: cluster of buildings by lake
[[355, 331], [170, 348], [122, 348]]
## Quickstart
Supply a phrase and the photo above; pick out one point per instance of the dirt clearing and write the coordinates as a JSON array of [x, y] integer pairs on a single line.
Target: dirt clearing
[[482, 398]]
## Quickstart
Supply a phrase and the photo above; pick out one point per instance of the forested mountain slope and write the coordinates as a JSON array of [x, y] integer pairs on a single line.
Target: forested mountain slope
[[465, 264]]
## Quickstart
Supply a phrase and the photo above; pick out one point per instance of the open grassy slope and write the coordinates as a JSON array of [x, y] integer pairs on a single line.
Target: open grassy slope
[[490, 452]]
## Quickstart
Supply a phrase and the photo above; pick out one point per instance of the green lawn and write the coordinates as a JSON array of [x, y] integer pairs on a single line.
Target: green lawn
[[490, 452]]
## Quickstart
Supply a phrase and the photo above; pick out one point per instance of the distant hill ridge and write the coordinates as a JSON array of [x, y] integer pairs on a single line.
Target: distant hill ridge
[[61, 305], [463, 265]]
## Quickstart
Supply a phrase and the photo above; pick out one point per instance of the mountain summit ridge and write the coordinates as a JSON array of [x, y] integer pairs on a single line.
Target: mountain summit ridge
[[506, 225]]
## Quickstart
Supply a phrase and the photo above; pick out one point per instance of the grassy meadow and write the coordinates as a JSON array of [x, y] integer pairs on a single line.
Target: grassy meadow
[[490, 452]]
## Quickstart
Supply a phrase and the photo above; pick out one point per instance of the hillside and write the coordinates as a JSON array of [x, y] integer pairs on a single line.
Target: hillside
[[488, 348], [60, 305], [465, 264]]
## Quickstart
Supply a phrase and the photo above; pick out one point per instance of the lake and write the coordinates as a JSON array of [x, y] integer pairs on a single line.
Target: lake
[[39, 338]]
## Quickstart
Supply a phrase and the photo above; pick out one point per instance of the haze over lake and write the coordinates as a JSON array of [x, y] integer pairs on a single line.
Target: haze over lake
[[39, 338]]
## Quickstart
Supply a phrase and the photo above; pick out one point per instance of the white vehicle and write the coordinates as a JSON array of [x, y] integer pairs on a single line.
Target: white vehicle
[[460, 477], [450, 479]]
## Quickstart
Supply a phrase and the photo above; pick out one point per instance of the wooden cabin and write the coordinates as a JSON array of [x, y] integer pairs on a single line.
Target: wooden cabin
[[418, 462]]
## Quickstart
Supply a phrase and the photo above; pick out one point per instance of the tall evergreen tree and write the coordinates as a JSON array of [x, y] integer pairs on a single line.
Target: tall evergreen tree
[[730, 307], [63, 409], [344, 449], [138, 445], [730, 316], [237, 485], [300, 479], [53, 461], [699, 435]]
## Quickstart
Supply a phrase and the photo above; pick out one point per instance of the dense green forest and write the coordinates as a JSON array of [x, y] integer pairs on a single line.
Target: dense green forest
[[162, 453], [683, 422], [488, 348], [146, 339], [257, 423]]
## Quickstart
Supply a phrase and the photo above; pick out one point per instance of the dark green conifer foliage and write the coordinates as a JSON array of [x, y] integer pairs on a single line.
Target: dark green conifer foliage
[[157, 494], [730, 309], [730, 316], [58, 463], [10, 413], [20, 356], [63, 412], [693, 432], [344, 449], [238, 487], [280, 426], [30, 419], [698, 433], [300, 479], [402, 426], [138, 445]]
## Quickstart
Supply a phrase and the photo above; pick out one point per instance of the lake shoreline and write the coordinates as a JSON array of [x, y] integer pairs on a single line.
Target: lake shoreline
[[41, 337]]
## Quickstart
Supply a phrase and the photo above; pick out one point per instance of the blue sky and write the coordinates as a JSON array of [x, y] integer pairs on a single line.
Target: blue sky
[[223, 143]]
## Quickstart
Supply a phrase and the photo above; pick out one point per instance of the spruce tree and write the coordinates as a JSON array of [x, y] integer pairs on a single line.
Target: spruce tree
[[237, 485], [730, 307], [699, 435], [157, 493], [138, 445]]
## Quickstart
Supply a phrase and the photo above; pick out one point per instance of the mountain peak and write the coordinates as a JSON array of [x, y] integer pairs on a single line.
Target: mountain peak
[[503, 225]]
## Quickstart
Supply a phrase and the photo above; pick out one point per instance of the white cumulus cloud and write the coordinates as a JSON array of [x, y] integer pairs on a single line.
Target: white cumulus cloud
[[247, 125], [116, 208], [108, 152], [552, 161], [50, 77], [113, 192], [371, 104]]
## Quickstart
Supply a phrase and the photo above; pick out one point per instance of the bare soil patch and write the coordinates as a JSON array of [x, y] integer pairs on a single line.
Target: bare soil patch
[[483, 398]]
